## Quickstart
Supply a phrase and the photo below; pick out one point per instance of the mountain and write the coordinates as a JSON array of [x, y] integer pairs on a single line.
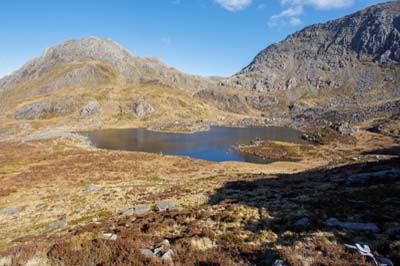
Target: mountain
[[92, 49], [94, 82], [347, 61], [344, 70]]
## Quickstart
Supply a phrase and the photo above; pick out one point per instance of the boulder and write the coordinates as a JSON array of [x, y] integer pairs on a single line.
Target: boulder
[[128, 212], [147, 253], [142, 109], [110, 236], [352, 226], [168, 255], [302, 223], [57, 225], [10, 211], [138, 209], [279, 263], [142, 208], [167, 206], [90, 108], [92, 187]]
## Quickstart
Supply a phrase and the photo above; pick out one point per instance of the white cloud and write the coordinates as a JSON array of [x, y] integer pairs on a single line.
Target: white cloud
[[234, 5], [295, 21], [290, 12], [294, 9], [288, 15], [320, 4]]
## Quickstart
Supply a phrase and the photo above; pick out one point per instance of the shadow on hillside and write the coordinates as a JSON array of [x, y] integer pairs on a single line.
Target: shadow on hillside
[[395, 150], [318, 195]]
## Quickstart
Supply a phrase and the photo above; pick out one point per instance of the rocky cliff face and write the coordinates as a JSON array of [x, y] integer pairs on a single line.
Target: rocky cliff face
[[357, 53]]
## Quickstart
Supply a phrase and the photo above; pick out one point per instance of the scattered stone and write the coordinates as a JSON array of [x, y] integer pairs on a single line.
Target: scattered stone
[[343, 128], [142, 208], [163, 251], [203, 243], [158, 250], [111, 236], [279, 263], [90, 108], [57, 225], [303, 222], [167, 206], [168, 255], [138, 209], [128, 212], [165, 243], [163, 247], [311, 138], [333, 222], [10, 211], [92, 187], [147, 253]]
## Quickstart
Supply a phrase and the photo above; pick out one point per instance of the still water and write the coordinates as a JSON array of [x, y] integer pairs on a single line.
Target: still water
[[213, 145]]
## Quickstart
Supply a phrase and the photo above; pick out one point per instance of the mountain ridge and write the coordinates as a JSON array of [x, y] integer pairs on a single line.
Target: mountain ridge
[[344, 65], [91, 48]]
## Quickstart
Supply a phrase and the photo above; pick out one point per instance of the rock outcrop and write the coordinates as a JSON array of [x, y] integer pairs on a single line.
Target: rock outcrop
[[90, 108], [47, 108], [231, 102], [142, 109]]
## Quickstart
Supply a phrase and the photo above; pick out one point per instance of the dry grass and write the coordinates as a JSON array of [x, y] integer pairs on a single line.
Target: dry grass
[[48, 177]]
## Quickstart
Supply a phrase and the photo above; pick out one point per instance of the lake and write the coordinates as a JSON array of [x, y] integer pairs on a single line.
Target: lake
[[213, 145]]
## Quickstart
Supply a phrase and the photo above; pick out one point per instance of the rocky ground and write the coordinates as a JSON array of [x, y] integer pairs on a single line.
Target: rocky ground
[[65, 203]]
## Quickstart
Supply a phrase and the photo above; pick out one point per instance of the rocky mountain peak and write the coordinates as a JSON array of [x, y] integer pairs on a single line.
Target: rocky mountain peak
[[327, 55], [92, 50], [72, 51], [86, 49]]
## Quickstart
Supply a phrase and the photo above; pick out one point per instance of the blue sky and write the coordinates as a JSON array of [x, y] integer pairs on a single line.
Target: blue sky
[[206, 37]]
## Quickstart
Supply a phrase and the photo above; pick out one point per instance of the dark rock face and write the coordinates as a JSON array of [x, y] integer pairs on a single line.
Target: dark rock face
[[226, 101], [341, 118], [57, 106], [89, 74], [262, 102], [343, 53]]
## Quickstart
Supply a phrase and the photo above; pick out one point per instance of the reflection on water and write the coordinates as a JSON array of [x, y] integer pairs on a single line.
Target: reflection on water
[[213, 145]]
